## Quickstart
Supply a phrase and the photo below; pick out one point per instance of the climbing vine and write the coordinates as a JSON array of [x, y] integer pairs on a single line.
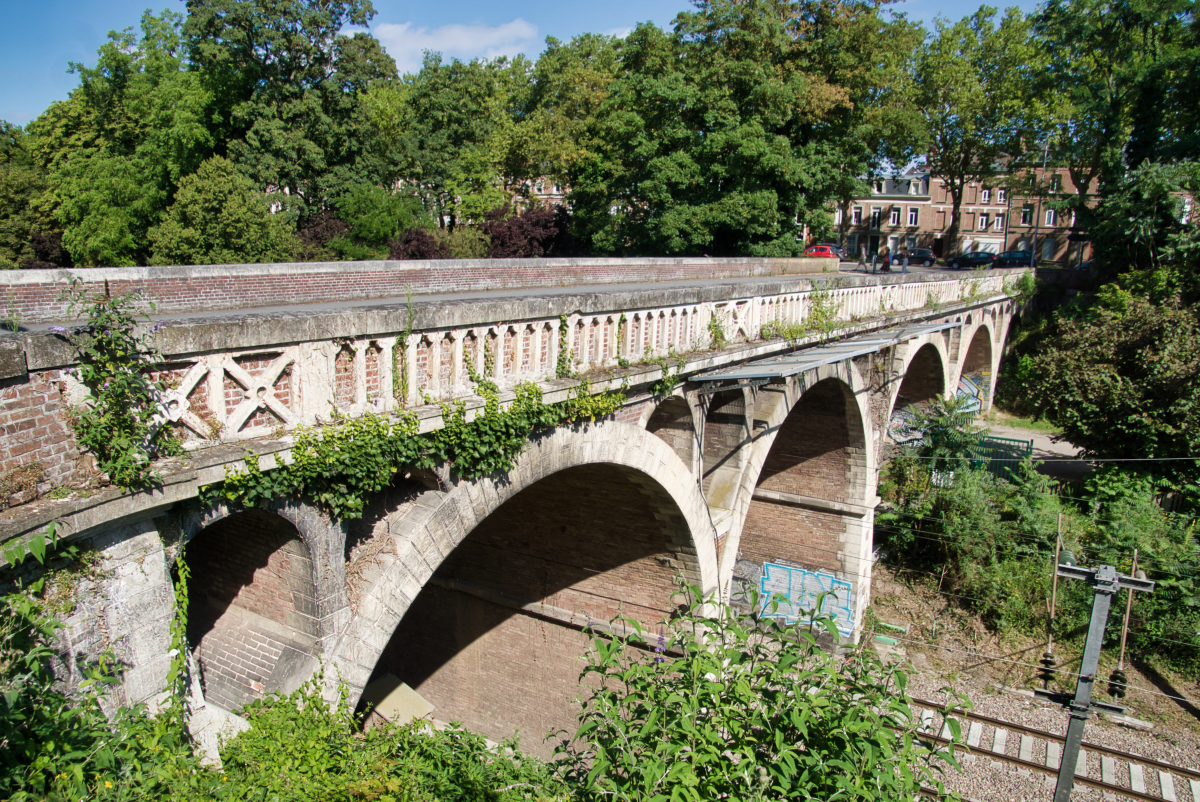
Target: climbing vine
[[340, 466], [563, 368], [116, 365]]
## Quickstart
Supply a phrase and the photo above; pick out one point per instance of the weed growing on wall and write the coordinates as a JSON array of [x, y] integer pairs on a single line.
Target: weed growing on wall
[[716, 332], [823, 309], [340, 466], [116, 424], [751, 709]]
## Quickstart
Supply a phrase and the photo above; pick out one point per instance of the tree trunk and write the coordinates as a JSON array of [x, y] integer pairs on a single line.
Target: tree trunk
[[955, 209]]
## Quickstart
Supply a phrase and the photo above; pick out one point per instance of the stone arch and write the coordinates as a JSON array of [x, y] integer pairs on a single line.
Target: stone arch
[[576, 464], [925, 377], [255, 612], [671, 421], [976, 371], [807, 495]]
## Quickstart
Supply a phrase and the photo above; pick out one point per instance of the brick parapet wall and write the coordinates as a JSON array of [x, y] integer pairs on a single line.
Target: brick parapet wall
[[36, 295]]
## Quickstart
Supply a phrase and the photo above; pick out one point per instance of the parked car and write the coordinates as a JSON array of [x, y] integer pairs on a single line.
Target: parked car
[[842, 253], [1014, 259], [973, 259], [827, 251], [921, 256]]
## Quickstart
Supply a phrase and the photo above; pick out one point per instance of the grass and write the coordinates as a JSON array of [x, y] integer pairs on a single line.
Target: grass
[[1017, 422]]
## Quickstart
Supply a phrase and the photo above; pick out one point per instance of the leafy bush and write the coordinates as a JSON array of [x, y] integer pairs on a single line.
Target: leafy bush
[[376, 215], [115, 364], [521, 235], [417, 243], [750, 709], [218, 217]]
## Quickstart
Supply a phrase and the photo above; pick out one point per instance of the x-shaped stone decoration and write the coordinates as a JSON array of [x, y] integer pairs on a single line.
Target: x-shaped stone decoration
[[258, 392], [174, 407]]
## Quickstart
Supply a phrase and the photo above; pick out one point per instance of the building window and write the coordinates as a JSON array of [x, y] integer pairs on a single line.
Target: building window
[[1001, 196], [983, 222], [1027, 216], [1056, 183], [852, 244], [540, 188], [914, 215], [856, 215], [914, 187], [985, 196], [878, 187], [999, 222], [894, 217], [837, 216], [1032, 183], [1051, 217], [876, 216]]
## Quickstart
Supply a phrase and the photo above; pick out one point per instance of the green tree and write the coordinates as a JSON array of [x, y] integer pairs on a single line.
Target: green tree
[[1120, 80], [728, 135], [218, 217], [973, 83], [284, 83], [1124, 385], [450, 129], [21, 186], [117, 148]]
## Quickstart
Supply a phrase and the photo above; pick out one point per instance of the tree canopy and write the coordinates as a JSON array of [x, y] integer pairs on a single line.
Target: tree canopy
[[738, 130]]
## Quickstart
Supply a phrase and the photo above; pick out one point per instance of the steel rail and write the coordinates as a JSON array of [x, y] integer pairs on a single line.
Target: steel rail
[[1049, 736]]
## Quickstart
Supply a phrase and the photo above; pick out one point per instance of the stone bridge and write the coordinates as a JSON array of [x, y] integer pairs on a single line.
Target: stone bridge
[[757, 471]]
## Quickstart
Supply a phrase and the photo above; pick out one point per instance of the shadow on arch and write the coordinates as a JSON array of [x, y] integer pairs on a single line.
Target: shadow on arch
[[493, 637]]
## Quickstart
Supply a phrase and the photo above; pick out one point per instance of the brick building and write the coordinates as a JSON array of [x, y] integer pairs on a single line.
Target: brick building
[[913, 210]]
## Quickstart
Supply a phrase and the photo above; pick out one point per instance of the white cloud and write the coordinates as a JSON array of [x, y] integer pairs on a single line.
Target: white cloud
[[406, 44], [620, 33]]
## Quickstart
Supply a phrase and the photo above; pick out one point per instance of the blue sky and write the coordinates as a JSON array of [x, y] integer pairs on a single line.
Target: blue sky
[[39, 37]]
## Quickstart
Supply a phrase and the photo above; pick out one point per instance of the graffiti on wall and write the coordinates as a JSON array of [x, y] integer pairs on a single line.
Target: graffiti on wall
[[791, 593], [974, 387]]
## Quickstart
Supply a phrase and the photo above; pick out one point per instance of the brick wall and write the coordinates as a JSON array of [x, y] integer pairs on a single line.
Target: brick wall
[[724, 432], [36, 439], [671, 422], [35, 294], [252, 610], [586, 540], [814, 454]]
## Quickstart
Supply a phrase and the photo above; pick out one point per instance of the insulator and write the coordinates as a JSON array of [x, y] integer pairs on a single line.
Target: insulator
[[1116, 684], [1047, 672]]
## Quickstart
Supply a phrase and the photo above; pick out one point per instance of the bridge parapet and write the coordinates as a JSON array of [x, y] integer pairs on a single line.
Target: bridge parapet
[[245, 377]]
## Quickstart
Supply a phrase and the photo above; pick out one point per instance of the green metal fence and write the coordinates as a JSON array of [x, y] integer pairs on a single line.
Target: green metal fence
[[1000, 456]]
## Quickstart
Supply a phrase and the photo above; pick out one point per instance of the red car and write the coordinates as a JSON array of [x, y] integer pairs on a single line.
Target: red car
[[822, 251]]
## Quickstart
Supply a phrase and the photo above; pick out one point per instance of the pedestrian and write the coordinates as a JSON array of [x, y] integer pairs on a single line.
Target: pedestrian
[[904, 257], [874, 260], [887, 260], [862, 258]]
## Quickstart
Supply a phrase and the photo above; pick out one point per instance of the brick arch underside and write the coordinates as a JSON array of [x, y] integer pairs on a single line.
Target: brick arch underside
[[480, 596], [252, 608], [925, 379], [806, 521], [976, 374], [494, 638], [672, 423]]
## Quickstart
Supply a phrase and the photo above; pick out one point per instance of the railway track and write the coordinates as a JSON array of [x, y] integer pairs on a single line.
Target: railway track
[[1118, 774]]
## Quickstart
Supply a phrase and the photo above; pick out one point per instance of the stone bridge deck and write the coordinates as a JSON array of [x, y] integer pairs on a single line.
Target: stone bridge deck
[[456, 589]]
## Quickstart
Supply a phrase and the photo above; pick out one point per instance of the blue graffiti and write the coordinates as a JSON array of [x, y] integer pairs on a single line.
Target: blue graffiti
[[795, 590]]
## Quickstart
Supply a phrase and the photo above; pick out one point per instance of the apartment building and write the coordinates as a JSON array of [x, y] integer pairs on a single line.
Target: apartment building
[[913, 211]]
